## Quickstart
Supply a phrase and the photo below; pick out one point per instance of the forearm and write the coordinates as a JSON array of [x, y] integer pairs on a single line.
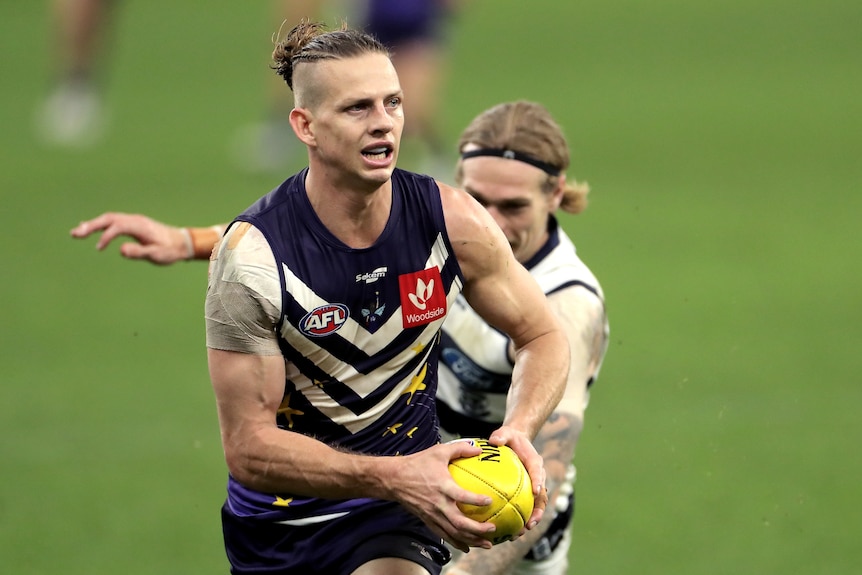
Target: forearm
[[274, 460], [538, 382], [249, 390], [277, 461]]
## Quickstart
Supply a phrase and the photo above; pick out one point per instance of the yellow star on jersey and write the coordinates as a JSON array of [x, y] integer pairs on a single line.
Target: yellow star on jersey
[[279, 502], [318, 383], [392, 429], [410, 433], [418, 348], [285, 410], [417, 383]]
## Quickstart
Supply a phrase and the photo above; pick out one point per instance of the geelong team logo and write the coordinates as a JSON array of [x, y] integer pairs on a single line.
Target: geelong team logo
[[324, 320], [423, 298]]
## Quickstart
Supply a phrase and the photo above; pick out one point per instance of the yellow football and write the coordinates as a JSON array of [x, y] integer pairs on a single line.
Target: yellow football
[[499, 473]]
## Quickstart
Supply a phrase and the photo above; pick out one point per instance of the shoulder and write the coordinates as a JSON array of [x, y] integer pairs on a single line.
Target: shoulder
[[577, 299], [277, 197], [464, 216], [561, 268], [243, 256]]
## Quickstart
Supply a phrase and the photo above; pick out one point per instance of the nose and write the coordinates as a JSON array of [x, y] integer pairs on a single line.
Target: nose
[[382, 121]]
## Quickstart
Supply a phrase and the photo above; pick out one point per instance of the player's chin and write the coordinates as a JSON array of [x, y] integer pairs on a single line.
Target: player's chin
[[377, 174]]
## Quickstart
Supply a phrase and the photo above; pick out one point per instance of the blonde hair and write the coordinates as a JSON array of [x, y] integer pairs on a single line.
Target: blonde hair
[[527, 129]]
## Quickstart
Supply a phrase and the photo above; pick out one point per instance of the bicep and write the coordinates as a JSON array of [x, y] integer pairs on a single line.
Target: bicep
[[248, 390], [246, 381], [497, 287], [509, 298], [245, 363]]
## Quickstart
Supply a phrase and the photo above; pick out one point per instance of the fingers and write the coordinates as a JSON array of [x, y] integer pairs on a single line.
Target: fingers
[[112, 224], [463, 448], [135, 251], [527, 453], [87, 227], [540, 503], [111, 232], [153, 239], [464, 533], [534, 464], [445, 514], [449, 522], [538, 475]]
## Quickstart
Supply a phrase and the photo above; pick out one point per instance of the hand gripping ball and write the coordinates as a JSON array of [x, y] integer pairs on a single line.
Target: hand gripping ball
[[498, 473]]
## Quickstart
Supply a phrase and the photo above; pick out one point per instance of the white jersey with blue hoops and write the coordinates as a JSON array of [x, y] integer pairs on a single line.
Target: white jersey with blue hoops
[[475, 364]]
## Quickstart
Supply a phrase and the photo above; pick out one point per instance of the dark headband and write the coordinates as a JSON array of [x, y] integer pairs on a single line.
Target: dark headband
[[513, 155]]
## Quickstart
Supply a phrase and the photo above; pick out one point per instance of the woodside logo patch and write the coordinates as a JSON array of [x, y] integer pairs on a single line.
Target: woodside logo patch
[[324, 320], [423, 298]]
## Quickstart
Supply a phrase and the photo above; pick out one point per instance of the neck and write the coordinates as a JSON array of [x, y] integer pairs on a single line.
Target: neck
[[355, 214]]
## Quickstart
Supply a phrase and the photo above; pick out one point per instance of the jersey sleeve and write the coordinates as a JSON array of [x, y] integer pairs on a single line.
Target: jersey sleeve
[[243, 302]]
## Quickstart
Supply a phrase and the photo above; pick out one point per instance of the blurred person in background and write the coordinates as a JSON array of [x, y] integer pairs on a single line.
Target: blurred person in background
[[74, 113], [513, 160]]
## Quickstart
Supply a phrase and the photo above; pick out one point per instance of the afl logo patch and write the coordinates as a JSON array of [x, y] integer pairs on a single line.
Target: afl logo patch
[[324, 320]]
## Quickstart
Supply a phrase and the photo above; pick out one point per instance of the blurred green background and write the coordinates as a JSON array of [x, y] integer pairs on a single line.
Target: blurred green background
[[722, 142]]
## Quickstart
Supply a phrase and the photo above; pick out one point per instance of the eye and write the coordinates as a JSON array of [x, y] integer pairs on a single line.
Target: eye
[[512, 209], [394, 102], [481, 200]]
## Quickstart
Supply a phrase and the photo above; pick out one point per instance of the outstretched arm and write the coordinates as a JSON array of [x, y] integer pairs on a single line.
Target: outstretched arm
[[503, 292], [583, 317], [156, 242]]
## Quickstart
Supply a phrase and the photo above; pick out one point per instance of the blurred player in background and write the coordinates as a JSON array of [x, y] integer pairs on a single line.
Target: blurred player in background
[[74, 113], [514, 158]]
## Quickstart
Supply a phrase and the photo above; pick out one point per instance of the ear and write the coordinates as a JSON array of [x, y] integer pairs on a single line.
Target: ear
[[301, 122], [557, 194]]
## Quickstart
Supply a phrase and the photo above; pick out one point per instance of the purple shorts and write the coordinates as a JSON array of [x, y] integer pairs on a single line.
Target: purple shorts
[[338, 546], [396, 22]]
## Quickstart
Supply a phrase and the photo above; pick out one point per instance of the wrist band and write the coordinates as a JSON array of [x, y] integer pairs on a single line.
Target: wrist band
[[202, 241], [187, 240]]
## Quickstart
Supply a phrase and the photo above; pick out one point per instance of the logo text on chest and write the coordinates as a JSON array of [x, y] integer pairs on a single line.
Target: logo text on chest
[[423, 298], [324, 320]]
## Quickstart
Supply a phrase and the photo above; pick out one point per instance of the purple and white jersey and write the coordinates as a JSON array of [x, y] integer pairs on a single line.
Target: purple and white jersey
[[358, 328]]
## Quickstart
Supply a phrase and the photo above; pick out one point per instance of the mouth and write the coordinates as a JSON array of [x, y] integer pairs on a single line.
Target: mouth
[[378, 153]]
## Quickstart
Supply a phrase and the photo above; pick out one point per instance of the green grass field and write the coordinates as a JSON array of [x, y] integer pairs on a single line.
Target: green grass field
[[722, 143]]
